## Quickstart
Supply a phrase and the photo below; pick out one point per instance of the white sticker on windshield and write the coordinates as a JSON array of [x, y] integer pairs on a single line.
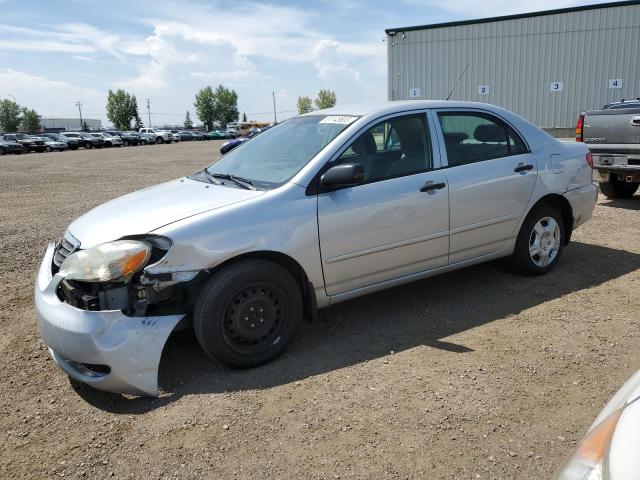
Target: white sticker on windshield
[[339, 119]]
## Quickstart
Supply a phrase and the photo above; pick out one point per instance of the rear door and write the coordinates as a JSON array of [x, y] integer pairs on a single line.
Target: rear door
[[394, 224], [491, 175]]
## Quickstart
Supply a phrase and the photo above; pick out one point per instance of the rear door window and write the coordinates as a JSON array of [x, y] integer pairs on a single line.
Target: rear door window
[[471, 137]]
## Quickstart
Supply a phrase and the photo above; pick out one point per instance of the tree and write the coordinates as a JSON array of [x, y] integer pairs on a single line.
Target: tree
[[205, 106], [133, 106], [225, 105], [30, 120], [121, 109], [326, 99], [188, 124], [244, 117], [9, 115], [304, 105]]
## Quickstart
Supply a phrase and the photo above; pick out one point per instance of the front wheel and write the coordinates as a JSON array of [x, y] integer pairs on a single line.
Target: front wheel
[[617, 189], [248, 313], [539, 243], [159, 140], [88, 145]]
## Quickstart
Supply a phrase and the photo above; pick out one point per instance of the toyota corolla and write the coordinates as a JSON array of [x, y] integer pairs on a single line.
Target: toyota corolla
[[321, 208]]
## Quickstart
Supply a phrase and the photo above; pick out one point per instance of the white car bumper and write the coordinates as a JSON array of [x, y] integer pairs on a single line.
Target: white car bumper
[[78, 339]]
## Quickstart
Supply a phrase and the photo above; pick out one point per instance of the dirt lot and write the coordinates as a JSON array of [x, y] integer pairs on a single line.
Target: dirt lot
[[473, 374]]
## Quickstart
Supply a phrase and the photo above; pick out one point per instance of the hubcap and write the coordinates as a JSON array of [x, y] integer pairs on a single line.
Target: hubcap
[[254, 319], [544, 242]]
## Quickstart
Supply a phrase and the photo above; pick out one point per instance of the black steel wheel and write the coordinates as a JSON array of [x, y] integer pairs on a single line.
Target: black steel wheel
[[248, 313]]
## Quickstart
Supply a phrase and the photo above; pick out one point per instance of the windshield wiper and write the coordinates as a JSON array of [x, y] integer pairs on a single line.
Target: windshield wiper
[[243, 182]]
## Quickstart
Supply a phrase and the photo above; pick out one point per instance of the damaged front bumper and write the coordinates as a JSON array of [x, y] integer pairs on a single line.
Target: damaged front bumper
[[105, 349]]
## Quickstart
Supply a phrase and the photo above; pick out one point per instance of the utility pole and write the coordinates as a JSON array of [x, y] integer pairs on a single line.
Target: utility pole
[[275, 119], [79, 104], [149, 112]]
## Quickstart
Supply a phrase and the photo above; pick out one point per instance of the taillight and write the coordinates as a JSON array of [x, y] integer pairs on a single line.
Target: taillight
[[590, 159], [579, 127]]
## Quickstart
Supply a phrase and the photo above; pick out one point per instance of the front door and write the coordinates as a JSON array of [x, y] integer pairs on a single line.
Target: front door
[[397, 221], [491, 175]]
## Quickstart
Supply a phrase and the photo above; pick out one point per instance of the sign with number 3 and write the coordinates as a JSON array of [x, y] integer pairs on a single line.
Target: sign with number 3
[[556, 86]]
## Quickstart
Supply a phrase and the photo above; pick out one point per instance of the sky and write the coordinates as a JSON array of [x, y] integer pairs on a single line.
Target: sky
[[53, 54]]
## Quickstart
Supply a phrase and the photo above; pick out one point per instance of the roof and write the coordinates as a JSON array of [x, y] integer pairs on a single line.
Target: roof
[[597, 6], [388, 107]]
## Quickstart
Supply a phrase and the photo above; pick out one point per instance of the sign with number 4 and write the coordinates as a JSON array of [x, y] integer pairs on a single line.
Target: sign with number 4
[[615, 83], [556, 86], [483, 89]]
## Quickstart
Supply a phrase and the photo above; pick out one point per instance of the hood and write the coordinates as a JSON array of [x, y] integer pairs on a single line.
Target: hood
[[149, 209]]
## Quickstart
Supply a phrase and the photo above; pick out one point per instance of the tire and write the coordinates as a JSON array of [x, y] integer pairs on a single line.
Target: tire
[[88, 145], [143, 142], [617, 189], [49, 149], [234, 300], [126, 143], [543, 231], [1, 152], [160, 140]]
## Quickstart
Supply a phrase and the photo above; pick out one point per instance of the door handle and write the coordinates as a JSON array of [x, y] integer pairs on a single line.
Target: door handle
[[521, 167], [429, 186]]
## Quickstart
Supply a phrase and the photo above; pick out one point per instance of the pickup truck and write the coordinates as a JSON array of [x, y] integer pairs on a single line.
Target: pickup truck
[[613, 136], [161, 136]]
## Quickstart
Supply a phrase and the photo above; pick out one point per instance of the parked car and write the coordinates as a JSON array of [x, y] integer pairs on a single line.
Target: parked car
[[128, 138], [161, 136], [613, 136], [109, 140], [30, 144], [321, 208], [86, 139], [183, 136], [146, 138], [72, 143], [230, 145], [7, 147], [53, 145], [198, 135], [610, 448], [218, 135]]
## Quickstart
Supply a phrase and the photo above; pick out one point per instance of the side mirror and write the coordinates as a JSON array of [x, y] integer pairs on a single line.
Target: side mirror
[[345, 175]]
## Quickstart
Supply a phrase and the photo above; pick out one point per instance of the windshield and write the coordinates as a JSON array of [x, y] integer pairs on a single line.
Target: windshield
[[277, 154]]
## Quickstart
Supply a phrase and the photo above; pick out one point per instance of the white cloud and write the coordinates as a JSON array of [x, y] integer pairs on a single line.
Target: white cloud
[[48, 97]]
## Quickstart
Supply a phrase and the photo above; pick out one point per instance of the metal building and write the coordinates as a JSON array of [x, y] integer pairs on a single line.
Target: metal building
[[545, 66], [69, 123]]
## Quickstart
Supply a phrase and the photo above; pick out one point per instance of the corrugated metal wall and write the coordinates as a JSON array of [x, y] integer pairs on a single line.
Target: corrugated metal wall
[[519, 58]]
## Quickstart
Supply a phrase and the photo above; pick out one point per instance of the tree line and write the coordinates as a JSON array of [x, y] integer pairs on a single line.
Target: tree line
[[212, 106], [12, 115]]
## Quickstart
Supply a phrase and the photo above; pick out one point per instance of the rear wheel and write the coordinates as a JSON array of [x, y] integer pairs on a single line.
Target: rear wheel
[[159, 140], [143, 142], [88, 145], [539, 243], [49, 149], [618, 189], [248, 313]]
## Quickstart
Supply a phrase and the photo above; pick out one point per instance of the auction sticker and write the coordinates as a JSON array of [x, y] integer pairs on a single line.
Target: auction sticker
[[339, 119]]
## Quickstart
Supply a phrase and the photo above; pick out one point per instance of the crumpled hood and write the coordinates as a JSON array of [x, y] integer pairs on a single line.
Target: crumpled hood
[[151, 208]]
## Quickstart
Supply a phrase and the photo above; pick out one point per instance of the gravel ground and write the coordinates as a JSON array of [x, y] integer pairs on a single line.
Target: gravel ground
[[473, 374]]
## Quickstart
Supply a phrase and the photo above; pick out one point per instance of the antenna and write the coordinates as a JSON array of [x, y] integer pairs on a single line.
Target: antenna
[[456, 85]]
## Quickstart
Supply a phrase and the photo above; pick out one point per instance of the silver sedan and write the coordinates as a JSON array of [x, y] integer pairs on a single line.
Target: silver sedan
[[321, 208]]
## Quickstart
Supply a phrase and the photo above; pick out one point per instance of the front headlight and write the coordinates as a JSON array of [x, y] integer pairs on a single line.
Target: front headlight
[[590, 458], [111, 261]]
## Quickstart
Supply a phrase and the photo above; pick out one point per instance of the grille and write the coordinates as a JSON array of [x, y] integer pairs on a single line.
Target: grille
[[65, 247]]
